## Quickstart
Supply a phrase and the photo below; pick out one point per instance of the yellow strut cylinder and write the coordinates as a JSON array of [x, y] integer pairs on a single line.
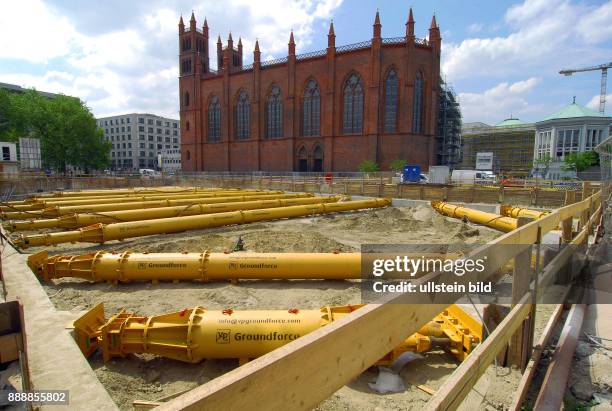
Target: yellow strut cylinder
[[117, 192], [72, 221], [57, 211], [127, 266], [100, 233], [128, 191], [122, 199], [516, 212], [192, 335], [492, 220]]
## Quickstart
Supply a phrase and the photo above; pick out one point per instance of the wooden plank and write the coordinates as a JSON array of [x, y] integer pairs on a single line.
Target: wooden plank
[[459, 384], [289, 378], [555, 381], [523, 386], [521, 280]]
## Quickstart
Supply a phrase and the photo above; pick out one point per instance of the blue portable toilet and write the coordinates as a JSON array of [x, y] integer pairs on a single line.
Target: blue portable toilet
[[411, 174]]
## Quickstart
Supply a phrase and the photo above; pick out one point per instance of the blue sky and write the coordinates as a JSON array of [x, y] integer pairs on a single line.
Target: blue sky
[[502, 57]]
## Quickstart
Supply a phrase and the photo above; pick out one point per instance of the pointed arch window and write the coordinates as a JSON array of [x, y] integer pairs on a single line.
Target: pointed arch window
[[317, 159], [311, 110], [417, 105], [274, 124], [214, 120], [186, 99], [242, 116], [352, 120], [391, 93]]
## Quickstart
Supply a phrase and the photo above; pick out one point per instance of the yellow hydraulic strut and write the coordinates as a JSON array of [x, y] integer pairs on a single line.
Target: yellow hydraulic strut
[[39, 205], [100, 233], [194, 334], [516, 212], [58, 211], [118, 192], [475, 216], [72, 221], [127, 266]]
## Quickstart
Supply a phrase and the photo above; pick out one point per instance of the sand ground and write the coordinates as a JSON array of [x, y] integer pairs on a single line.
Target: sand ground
[[147, 377]]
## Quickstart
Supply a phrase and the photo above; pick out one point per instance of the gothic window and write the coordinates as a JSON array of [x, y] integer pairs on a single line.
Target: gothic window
[[275, 114], [311, 125], [417, 105], [242, 116], [317, 159], [186, 99], [214, 120], [352, 120], [391, 87]]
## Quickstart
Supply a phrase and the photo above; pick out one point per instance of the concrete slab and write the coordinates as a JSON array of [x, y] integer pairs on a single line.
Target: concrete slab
[[55, 361]]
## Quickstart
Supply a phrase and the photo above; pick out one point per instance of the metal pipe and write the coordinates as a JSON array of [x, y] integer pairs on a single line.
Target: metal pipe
[[116, 192], [128, 266], [72, 221], [205, 266], [122, 199], [100, 233], [58, 211], [192, 335], [516, 212], [492, 220]]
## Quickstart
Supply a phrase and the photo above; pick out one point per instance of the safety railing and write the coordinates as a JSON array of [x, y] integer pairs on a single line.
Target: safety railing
[[274, 62], [379, 327], [355, 46], [310, 55], [394, 40]]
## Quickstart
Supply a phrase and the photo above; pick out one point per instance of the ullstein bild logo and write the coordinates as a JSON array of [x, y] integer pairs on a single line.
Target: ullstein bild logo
[[223, 336]]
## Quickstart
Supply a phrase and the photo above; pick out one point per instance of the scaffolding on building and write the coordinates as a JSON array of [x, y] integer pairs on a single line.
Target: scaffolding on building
[[448, 128]]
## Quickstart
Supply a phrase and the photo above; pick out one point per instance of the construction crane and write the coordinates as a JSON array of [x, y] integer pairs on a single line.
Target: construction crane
[[604, 75]]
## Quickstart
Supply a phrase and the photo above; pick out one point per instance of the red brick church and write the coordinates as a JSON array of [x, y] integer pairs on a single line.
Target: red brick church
[[326, 110]]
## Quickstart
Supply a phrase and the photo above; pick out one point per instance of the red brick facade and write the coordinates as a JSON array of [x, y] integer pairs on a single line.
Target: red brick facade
[[331, 149]]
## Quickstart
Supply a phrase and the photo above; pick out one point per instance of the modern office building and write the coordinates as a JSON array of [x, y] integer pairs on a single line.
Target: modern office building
[[511, 142], [137, 139], [326, 110]]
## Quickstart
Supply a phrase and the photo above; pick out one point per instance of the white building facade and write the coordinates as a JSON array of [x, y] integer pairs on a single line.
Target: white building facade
[[137, 139], [170, 160], [573, 129]]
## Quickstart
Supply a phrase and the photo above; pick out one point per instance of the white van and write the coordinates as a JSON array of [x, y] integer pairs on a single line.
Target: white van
[[146, 172], [468, 176]]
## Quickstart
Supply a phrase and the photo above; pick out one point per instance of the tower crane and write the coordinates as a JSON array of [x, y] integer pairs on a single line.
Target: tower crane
[[604, 75]]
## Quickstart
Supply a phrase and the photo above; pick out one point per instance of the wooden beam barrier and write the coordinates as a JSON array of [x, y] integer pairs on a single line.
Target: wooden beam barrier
[[523, 386], [304, 372], [461, 381], [555, 381], [518, 352]]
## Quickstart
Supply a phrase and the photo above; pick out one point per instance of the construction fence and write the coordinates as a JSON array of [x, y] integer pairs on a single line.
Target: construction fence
[[363, 184]]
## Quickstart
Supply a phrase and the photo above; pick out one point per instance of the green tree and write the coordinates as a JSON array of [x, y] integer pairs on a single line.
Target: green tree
[[543, 163], [397, 165], [368, 166], [66, 128], [580, 161]]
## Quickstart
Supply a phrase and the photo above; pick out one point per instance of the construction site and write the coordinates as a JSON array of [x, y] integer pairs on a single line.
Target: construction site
[[226, 294]]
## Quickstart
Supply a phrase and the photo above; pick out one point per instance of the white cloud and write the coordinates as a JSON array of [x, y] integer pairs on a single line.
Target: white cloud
[[498, 102], [475, 27], [30, 31], [132, 64], [541, 32], [596, 25], [594, 103]]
